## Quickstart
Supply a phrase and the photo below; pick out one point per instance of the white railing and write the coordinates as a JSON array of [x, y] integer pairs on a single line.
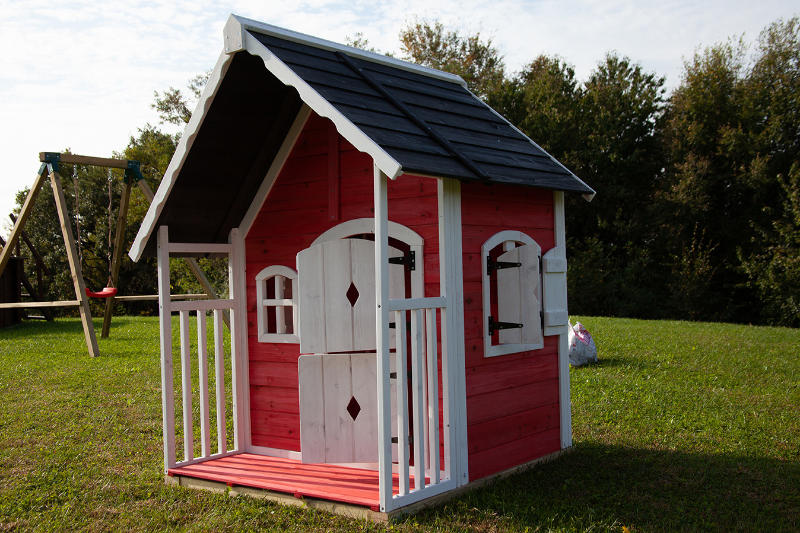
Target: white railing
[[419, 439], [201, 307], [230, 375]]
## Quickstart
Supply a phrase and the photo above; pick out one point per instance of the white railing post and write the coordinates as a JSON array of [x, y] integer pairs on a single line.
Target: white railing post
[[402, 401], [417, 397], [186, 384], [165, 330], [433, 395], [382, 341], [219, 380], [202, 383]]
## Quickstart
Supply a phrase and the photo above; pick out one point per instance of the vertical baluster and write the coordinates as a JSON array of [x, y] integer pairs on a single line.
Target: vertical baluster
[[446, 433], [219, 378], [418, 404], [433, 396], [402, 400], [202, 383], [186, 383]]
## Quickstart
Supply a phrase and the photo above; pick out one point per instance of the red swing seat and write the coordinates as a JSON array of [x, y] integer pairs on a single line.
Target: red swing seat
[[107, 292]]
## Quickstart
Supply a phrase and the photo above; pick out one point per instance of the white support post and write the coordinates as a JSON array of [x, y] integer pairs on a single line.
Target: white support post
[[165, 330], [564, 401], [382, 340], [239, 363], [453, 371]]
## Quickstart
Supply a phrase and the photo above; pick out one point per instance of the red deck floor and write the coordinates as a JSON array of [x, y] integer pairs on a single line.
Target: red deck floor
[[329, 482]]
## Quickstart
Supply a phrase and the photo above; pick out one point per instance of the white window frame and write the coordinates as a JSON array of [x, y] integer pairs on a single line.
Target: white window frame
[[262, 303], [492, 242]]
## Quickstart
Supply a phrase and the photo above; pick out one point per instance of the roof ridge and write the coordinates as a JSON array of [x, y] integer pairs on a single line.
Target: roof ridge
[[234, 40]]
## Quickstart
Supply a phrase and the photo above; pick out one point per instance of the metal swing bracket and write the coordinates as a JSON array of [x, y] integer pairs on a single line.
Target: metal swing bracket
[[133, 172], [51, 159]]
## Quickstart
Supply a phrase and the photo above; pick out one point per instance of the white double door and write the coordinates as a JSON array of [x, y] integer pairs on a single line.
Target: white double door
[[337, 371]]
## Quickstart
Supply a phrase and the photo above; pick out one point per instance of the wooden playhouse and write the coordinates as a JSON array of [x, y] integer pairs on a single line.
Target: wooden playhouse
[[397, 269]]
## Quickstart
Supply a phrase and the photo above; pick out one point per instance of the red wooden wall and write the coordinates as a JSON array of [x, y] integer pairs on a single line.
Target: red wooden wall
[[324, 182], [512, 400]]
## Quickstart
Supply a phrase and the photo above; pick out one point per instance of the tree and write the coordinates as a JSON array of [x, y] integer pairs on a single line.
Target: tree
[[475, 60], [173, 106], [771, 260]]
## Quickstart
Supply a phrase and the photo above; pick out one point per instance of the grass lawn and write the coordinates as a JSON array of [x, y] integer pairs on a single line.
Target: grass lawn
[[682, 426]]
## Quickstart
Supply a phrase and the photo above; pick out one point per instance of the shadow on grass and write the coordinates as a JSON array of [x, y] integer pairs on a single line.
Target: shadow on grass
[[600, 487]]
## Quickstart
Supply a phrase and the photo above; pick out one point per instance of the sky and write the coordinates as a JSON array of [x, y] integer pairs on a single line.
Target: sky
[[81, 75]]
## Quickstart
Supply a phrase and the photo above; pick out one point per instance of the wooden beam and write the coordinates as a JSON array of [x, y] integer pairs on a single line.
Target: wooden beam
[[31, 305], [154, 297], [119, 242], [194, 267], [5, 254], [74, 264], [74, 159]]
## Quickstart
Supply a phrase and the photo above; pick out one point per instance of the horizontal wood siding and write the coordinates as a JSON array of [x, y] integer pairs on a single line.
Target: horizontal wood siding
[[295, 213], [512, 400]]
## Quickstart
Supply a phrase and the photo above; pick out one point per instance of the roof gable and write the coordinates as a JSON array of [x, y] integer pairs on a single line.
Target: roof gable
[[408, 118]]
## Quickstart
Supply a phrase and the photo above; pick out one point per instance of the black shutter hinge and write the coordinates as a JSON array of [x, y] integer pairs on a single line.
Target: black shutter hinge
[[409, 260], [492, 265], [495, 325]]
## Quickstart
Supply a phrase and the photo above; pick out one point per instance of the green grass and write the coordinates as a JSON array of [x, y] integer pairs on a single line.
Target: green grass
[[682, 426]]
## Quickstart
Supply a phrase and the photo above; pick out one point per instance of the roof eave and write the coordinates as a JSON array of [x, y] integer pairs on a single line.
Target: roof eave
[[236, 27], [588, 196]]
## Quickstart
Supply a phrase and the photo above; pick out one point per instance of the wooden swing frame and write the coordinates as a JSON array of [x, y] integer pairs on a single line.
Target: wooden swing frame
[[49, 169]]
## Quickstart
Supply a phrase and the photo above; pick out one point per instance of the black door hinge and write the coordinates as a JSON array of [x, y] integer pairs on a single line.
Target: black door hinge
[[409, 260], [492, 265], [495, 325]]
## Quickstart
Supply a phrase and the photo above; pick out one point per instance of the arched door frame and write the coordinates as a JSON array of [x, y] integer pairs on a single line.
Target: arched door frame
[[360, 226]]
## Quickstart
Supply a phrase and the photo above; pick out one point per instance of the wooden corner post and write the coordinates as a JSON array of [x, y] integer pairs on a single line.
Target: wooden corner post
[[165, 332], [564, 401], [451, 274], [74, 263], [382, 340]]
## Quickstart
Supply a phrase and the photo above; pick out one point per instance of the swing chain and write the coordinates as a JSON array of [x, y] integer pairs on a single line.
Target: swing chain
[[110, 222], [76, 191]]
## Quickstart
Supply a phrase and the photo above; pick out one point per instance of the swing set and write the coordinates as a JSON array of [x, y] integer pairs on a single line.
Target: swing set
[[132, 175]]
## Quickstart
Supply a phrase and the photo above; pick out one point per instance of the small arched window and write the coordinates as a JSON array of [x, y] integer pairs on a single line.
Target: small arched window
[[512, 294], [276, 304]]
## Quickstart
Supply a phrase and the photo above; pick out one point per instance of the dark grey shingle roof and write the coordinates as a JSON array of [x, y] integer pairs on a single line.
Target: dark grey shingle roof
[[428, 125]]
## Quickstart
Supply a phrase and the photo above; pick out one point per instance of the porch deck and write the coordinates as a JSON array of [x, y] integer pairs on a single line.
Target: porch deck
[[355, 486]]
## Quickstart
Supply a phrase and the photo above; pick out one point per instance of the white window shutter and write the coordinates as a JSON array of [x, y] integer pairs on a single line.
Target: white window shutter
[[554, 266], [519, 296]]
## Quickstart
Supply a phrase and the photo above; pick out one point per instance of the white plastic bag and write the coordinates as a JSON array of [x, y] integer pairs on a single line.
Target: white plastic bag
[[582, 349]]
